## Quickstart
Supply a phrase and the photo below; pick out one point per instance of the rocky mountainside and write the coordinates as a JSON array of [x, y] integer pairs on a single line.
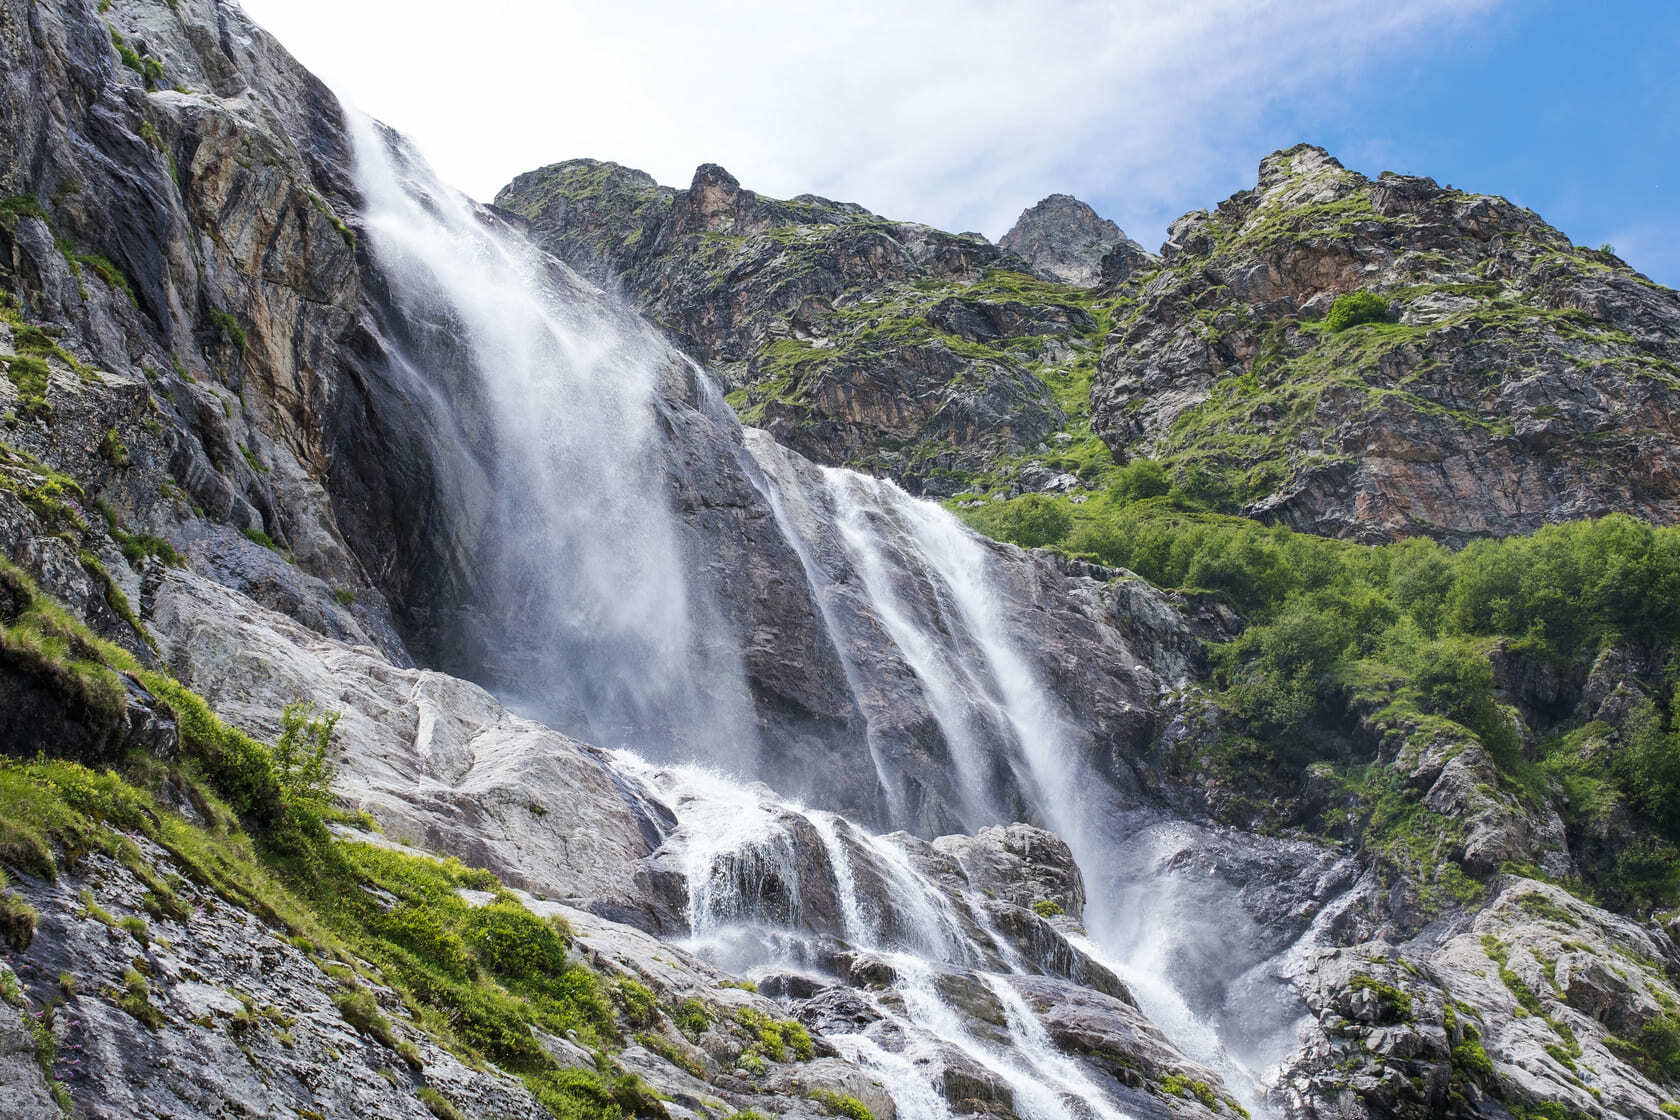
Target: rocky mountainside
[[931, 357], [1064, 239], [271, 513], [1506, 377], [1500, 377]]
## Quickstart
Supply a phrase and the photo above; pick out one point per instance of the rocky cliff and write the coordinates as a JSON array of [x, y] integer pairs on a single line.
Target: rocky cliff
[[853, 339]]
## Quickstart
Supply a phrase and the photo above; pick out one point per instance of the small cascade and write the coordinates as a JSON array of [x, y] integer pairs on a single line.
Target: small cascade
[[871, 909]]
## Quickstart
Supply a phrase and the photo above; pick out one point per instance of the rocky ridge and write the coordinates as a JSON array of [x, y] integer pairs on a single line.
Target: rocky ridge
[[1510, 378], [853, 339]]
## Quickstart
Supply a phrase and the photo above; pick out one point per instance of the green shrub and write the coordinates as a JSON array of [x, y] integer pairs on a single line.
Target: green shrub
[[1354, 308], [692, 1016], [361, 1011], [228, 327], [136, 999], [841, 1105], [1047, 908], [1031, 521], [1140, 479], [1396, 1004], [18, 920], [512, 942], [302, 756], [641, 1007], [438, 1104]]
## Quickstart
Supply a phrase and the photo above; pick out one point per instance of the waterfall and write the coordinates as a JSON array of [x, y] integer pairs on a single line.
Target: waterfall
[[544, 393], [550, 408]]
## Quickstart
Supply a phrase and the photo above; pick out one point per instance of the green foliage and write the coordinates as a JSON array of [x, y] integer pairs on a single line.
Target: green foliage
[[1031, 521], [228, 327], [1354, 308], [240, 769], [1047, 908], [1176, 1085], [1140, 479], [325, 894], [840, 1105], [136, 999], [343, 597], [28, 376], [149, 68], [1396, 1004], [302, 757], [113, 450], [106, 270], [692, 1016], [1400, 636], [259, 537], [1655, 1049], [640, 1005], [21, 206], [514, 943], [438, 1104], [1470, 1060], [17, 920], [799, 1040], [361, 1010]]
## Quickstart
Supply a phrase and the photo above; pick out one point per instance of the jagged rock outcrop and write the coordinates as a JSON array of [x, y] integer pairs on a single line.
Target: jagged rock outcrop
[[1539, 998], [1511, 378], [851, 338], [1065, 240]]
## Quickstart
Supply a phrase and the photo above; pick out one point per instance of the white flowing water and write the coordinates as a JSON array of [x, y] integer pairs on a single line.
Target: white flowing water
[[547, 396], [543, 401]]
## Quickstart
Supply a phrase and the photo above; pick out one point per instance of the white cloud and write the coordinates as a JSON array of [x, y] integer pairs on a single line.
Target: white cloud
[[954, 113]]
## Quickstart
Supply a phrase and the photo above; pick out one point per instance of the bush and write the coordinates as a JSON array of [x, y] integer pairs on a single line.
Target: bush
[[849, 1107], [17, 921], [1031, 521], [1140, 479], [1355, 308], [512, 942], [302, 760], [361, 1011], [640, 1006]]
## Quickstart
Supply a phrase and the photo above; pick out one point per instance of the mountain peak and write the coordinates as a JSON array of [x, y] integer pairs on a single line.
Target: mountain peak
[[1063, 239]]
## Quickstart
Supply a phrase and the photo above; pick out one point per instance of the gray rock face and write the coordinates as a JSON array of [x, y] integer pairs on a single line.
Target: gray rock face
[[1064, 239], [241, 1020]]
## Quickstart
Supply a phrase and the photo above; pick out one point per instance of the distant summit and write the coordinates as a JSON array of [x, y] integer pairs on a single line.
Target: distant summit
[[1065, 240]]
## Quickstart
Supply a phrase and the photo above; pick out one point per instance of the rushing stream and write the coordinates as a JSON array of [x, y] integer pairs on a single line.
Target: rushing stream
[[542, 399]]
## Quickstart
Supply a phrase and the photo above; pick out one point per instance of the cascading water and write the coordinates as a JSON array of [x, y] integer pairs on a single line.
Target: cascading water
[[544, 402], [545, 396]]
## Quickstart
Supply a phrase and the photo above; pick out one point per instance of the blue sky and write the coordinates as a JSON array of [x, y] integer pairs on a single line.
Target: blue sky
[[1572, 110], [960, 113]]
